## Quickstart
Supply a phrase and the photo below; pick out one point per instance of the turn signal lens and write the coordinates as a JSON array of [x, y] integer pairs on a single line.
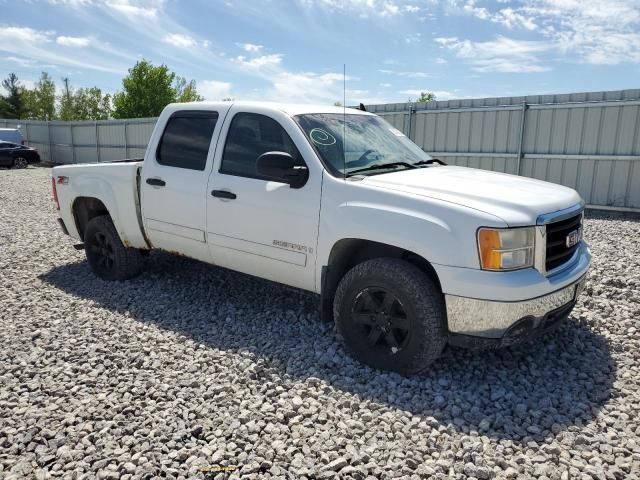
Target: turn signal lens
[[506, 249], [489, 242]]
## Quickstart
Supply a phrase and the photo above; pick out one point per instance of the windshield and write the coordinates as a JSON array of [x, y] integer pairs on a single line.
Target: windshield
[[370, 141]]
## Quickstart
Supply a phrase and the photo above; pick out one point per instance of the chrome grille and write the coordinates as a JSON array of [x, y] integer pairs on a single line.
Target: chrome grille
[[557, 232]]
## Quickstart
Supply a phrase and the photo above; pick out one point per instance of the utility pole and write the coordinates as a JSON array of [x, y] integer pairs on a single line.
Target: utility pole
[[65, 108]]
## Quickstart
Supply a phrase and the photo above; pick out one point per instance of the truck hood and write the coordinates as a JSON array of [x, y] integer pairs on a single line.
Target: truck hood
[[516, 200]]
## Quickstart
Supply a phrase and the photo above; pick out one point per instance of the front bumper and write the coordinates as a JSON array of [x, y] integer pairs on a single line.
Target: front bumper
[[509, 321], [492, 316]]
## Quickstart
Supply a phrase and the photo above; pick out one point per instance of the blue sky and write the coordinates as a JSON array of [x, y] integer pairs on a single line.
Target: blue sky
[[294, 50]]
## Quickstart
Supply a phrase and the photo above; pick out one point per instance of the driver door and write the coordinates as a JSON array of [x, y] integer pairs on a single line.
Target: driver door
[[256, 225]]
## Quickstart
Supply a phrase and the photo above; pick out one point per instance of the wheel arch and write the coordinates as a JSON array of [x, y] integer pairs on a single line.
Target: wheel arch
[[348, 252], [84, 209]]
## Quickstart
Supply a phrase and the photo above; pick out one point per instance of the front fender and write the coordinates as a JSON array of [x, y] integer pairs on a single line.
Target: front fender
[[440, 232]]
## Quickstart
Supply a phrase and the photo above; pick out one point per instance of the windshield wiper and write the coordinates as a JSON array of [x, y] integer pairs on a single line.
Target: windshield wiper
[[382, 166], [431, 161]]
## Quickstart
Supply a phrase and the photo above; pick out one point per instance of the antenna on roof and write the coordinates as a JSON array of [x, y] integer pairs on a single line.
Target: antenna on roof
[[344, 121], [362, 107]]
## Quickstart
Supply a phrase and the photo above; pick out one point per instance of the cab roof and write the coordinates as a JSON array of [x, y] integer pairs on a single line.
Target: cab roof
[[290, 109]]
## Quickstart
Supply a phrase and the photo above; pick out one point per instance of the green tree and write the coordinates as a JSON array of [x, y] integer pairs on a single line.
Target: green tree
[[40, 102], [186, 91], [426, 97], [147, 89], [91, 104], [12, 104]]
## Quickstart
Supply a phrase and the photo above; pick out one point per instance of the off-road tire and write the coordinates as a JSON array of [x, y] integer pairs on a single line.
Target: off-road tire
[[415, 292], [101, 237]]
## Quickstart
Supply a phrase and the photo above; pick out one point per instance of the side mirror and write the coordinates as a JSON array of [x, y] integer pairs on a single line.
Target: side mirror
[[281, 167]]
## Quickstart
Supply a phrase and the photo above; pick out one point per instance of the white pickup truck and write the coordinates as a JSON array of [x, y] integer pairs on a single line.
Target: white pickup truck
[[407, 254]]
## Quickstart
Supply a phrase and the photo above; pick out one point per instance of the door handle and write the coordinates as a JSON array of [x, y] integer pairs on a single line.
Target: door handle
[[157, 182], [224, 194]]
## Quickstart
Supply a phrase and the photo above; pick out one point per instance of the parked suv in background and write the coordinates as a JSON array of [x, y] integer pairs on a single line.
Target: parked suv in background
[[18, 156], [11, 135]]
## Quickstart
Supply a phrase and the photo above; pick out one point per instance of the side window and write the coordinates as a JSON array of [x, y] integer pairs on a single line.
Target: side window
[[250, 135], [186, 139]]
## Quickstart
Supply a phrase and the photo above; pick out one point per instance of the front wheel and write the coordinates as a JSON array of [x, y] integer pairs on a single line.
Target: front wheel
[[391, 315], [107, 256]]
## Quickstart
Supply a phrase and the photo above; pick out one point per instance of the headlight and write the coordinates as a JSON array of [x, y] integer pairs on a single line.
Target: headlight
[[506, 249]]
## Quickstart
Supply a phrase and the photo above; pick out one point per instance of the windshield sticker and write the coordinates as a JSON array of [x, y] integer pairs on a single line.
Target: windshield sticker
[[322, 137], [396, 132]]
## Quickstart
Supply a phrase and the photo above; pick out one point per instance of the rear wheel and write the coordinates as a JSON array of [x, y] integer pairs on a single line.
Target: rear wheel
[[20, 162], [391, 315], [107, 256]]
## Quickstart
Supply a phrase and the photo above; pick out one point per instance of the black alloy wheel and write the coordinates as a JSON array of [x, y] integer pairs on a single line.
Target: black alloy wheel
[[101, 250], [107, 255], [391, 315], [382, 318]]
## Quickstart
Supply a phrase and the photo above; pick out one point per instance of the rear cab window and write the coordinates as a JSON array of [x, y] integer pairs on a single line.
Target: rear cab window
[[186, 139]]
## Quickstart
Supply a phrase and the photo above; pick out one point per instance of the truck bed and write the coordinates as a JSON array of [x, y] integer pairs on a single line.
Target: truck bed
[[115, 184]]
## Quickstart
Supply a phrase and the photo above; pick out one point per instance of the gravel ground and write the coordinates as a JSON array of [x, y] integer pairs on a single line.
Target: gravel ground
[[190, 366]]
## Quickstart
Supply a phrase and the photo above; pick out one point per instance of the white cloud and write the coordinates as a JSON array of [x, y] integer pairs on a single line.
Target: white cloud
[[133, 11], [502, 54], [71, 3], [385, 85], [179, 40], [308, 87], [508, 17], [413, 38], [440, 61], [598, 31], [23, 34], [73, 41], [591, 31], [405, 74], [28, 84], [260, 62], [512, 19], [251, 47], [214, 90], [23, 62], [25, 42], [365, 8]]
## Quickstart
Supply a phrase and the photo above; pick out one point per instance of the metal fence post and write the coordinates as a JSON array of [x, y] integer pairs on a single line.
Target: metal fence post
[[97, 141], [412, 111], [523, 117], [126, 147], [50, 144], [73, 144]]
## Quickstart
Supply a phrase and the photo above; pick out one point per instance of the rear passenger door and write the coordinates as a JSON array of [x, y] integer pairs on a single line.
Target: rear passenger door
[[174, 181]]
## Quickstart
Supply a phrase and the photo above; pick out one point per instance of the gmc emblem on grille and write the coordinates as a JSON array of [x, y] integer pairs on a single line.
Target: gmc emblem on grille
[[574, 237]]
